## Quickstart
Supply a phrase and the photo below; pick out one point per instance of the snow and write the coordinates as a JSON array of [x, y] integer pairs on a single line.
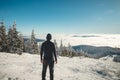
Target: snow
[[28, 67]]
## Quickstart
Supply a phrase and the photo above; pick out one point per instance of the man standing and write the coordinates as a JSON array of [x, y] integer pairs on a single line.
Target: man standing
[[48, 56]]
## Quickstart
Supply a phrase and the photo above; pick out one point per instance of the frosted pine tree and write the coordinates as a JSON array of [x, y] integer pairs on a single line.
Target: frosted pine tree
[[3, 37], [36, 49], [56, 47], [32, 42], [20, 46], [61, 48], [10, 40], [27, 45], [14, 42], [71, 51], [64, 51], [34, 46], [15, 38]]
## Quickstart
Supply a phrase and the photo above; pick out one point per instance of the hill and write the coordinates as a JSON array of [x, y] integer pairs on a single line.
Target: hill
[[97, 52]]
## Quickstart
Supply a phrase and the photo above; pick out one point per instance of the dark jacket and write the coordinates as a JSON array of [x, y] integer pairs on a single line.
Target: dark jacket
[[48, 51]]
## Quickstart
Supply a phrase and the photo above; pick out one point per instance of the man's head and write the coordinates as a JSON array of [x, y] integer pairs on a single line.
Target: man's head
[[48, 37]]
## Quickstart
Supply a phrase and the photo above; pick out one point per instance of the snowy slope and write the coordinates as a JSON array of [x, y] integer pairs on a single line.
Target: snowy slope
[[28, 67]]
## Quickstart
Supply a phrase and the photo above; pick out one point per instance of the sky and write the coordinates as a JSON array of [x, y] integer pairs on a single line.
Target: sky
[[62, 16]]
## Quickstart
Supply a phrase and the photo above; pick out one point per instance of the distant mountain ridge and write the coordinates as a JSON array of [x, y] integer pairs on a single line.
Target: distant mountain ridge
[[97, 52], [85, 36], [28, 37]]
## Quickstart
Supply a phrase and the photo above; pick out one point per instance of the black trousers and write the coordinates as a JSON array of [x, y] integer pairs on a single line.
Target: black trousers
[[49, 63]]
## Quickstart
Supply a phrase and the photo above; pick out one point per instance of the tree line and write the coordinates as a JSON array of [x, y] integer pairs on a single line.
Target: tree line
[[12, 41]]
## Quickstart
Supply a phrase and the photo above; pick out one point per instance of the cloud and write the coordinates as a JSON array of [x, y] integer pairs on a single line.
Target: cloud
[[109, 12], [105, 13]]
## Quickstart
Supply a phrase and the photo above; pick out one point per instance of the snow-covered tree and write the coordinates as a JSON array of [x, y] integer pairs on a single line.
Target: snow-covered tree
[[15, 39], [15, 43], [21, 44], [56, 47], [3, 37], [69, 50], [10, 40], [34, 46], [61, 48], [27, 46], [80, 52], [36, 49]]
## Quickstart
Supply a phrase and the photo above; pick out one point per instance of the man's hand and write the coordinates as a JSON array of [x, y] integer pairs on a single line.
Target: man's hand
[[42, 61], [55, 61]]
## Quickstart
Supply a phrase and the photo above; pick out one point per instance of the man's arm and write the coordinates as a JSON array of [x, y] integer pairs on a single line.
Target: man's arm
[[41, 53], [55, 54]]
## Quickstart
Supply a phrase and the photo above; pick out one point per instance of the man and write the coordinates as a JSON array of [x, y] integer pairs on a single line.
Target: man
[[48, 53]]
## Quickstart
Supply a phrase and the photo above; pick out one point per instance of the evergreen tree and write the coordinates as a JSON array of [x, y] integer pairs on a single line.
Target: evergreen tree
[[56, 47], [34, 46], [10, 40], [64, 51], [3, 37], [36, 49], [21, 44], [15, 39], [71, 51], [27, 45], [15, 43], [61, 48]]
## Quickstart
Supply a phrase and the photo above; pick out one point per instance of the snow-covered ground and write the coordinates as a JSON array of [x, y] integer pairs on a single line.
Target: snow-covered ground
[[28, 67], [112, 40]]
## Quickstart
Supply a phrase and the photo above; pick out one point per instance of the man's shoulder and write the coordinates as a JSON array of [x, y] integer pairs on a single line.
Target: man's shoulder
[[46, 42], [43, 43], [51, 42]]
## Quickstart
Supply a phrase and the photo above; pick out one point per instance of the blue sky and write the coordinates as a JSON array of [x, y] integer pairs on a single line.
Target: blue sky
[[62, 16]]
